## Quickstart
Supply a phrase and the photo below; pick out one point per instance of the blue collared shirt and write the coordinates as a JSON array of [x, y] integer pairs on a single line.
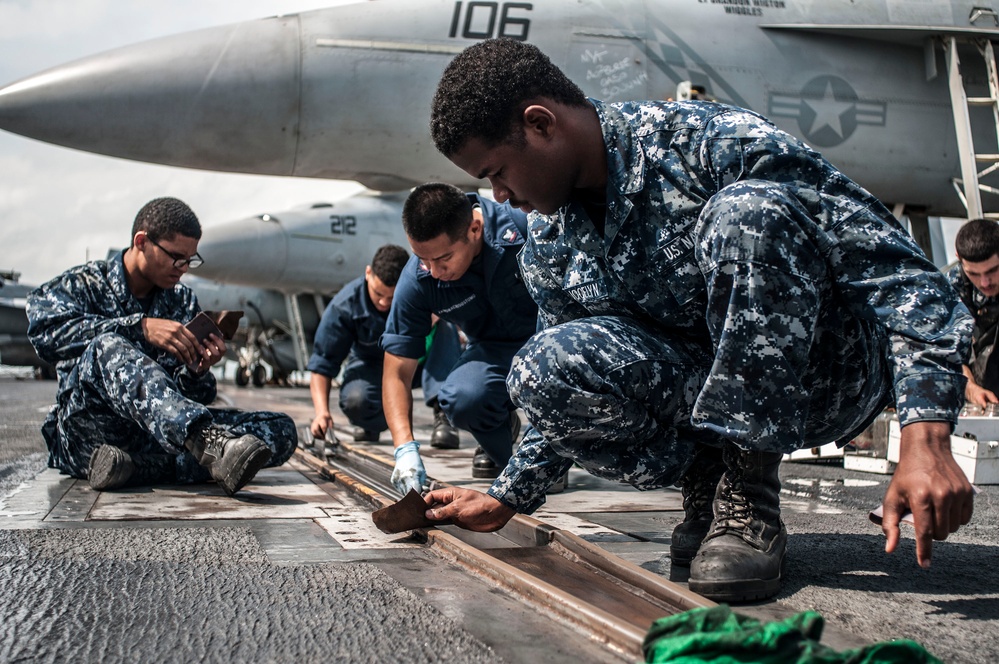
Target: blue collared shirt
[[351, 325], [489, 302]]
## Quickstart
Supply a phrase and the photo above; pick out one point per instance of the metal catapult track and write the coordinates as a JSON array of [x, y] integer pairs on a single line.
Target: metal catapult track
[[610, 600]]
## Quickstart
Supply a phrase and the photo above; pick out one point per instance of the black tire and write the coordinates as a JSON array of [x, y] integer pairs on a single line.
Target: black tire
[[259, 376], [242, 376]]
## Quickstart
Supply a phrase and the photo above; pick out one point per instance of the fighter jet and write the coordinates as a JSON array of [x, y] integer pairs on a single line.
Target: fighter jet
[[15, 348], [882, 87], [281, 268]]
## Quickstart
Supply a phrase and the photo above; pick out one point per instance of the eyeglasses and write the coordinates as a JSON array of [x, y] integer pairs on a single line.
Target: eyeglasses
[[178, 260]]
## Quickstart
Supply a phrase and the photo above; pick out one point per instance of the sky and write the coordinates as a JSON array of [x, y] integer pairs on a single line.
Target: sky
[[60, 207]]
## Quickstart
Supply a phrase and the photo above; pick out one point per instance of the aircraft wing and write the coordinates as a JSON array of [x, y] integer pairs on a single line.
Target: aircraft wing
[[912, 35]]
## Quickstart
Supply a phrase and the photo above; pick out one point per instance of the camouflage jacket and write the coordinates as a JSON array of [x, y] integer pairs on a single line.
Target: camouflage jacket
[[67, 313], [665, 161], [984, 309]]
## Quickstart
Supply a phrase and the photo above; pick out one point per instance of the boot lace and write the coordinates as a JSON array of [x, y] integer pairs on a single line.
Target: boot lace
[[698, 493], [215, 439]]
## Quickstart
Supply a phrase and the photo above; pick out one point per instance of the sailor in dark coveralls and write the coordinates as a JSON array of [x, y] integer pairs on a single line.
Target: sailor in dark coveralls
[[350, 330], [464, 270]]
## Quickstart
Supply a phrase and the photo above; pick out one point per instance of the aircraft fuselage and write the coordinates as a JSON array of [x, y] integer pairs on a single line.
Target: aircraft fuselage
[[344, 92]]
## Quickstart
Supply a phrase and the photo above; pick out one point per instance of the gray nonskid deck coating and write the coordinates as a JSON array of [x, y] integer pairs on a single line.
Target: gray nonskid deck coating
[[836, 563], [188, 608], [230, 590]]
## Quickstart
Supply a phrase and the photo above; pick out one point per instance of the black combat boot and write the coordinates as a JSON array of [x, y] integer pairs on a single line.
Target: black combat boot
[[742, 557], [113, 468], [231, 460], [561, 484], [366, 435], [445, 436], [482, 464], [698, 487]]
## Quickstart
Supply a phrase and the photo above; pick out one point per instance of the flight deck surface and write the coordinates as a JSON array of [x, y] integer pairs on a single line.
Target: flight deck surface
[[292, 568]]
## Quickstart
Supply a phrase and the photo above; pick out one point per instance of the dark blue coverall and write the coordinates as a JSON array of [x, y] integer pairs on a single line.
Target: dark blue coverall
[[492, 307], [350, 330]]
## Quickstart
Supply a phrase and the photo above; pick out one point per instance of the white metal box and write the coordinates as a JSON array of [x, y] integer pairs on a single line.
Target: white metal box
[[868, 464], [827, 451]]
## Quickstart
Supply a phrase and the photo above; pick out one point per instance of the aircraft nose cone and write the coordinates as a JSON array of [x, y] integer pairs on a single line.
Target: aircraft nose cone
[[211, 99], [250, 251]]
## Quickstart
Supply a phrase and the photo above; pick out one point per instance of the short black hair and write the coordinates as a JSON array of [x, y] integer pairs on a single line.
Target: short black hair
[[485, 89], [162, 218], [388, 263], [435, 208], [978, 240]]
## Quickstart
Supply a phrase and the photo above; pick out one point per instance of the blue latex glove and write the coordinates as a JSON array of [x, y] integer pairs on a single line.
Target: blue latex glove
[[409, 472]]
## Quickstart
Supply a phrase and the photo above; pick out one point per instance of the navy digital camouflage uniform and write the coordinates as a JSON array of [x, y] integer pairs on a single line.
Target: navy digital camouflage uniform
[[743, 290], [115, 387], [350, 330], [491, 305], [985, 311]]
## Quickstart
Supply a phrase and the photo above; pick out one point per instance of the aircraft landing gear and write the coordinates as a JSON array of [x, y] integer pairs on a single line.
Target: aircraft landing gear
[[259, 376], [250, 368], [256, 367]]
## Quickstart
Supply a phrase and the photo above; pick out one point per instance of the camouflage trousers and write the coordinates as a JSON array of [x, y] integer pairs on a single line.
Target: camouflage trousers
[[122, 397], [789, 363]]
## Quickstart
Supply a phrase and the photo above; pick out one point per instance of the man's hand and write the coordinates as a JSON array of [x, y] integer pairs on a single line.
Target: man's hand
[[320, 425], [974, 392], [930, 484], [409, 472], [212, 350], [468, 509], [174, 338], [978, 395]]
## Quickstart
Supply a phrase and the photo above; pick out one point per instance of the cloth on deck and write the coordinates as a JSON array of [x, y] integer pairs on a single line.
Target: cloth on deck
[[721, 636]]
